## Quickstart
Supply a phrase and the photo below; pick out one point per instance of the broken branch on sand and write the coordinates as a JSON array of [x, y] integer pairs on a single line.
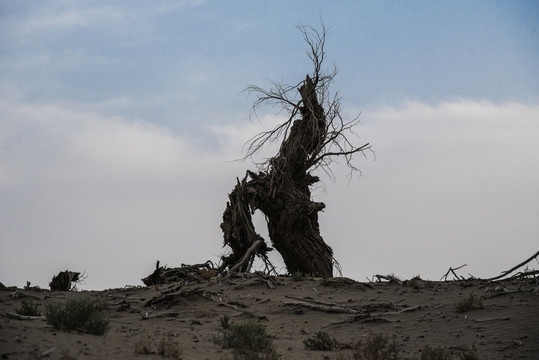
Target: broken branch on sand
[[524, 274], [24, 317], [390, 278], [452, 270], [149, 315], [333, 309]]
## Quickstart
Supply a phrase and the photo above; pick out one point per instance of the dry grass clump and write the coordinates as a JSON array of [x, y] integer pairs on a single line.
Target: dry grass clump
[[321, 341], [376, 347], [247, 339], [143, 347], [165, 348], [429, 353], [472, 302], [28, 308], [77, 314]]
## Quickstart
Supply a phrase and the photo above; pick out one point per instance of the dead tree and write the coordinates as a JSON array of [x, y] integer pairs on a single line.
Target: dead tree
[[313, 136]]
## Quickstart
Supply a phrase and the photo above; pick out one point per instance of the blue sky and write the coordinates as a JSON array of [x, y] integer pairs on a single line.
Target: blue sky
[[119, 119]]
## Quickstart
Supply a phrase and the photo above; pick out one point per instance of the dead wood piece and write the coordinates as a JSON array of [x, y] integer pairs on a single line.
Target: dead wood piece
[[452, 271], [222, 303], [171, 299], [149, 315], [338, 282], [248, 255], [512, 343], [497, 291], [507, 272], [492, 319], [311, 301], [18, 294], [164, 275], [390, 278], [24, 317], [361, 318], [46, 353], [408, 309], [324, 308]]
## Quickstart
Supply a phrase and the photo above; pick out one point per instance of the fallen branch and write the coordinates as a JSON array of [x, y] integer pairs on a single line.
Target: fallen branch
[[505, 273], [170, 299], [362, 318], [247, 255], [408, 309], [24, 317], [332, 309], [311, 301], [390, 278], [452, 270], [492, 319], [149, 315], [223, 303]]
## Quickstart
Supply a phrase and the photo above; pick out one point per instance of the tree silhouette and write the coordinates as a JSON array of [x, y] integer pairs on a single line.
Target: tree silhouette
[[313, 136]]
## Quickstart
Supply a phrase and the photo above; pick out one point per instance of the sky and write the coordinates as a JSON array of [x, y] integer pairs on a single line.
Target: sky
[[120, 124]]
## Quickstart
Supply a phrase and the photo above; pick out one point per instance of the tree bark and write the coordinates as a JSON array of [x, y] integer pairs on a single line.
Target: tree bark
[[283, 195]]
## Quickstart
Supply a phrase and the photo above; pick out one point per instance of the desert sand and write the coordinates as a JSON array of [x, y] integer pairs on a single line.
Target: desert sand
[[188, 313]]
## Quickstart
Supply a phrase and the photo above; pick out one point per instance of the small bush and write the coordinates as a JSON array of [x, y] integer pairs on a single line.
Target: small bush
[[321, 341], [28, 308], [472, 302], [429, 353], [77, 314], [249, 336], [376, 347]]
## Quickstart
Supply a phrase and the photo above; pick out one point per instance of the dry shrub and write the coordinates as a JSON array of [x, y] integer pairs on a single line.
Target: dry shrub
[[143, 347], [77, 314], [28, 308], [375, 347], [246, 338], [472, 302], [321, 341], [165, 348]]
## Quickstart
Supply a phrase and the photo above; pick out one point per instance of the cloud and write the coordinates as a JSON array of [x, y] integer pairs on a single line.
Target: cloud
[[452, 183], [79, 189]]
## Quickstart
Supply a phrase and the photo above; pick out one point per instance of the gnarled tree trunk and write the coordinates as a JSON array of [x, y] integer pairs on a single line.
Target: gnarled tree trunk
[[313, 135], [283, 195]]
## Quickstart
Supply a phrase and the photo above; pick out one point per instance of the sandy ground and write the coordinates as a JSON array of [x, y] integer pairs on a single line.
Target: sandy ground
[[416, 314]]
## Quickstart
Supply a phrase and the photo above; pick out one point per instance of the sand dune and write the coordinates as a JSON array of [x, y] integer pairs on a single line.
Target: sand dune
[[188, 314]]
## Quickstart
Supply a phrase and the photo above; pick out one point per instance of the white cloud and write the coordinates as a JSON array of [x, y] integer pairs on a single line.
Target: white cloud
[[453, 183]]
